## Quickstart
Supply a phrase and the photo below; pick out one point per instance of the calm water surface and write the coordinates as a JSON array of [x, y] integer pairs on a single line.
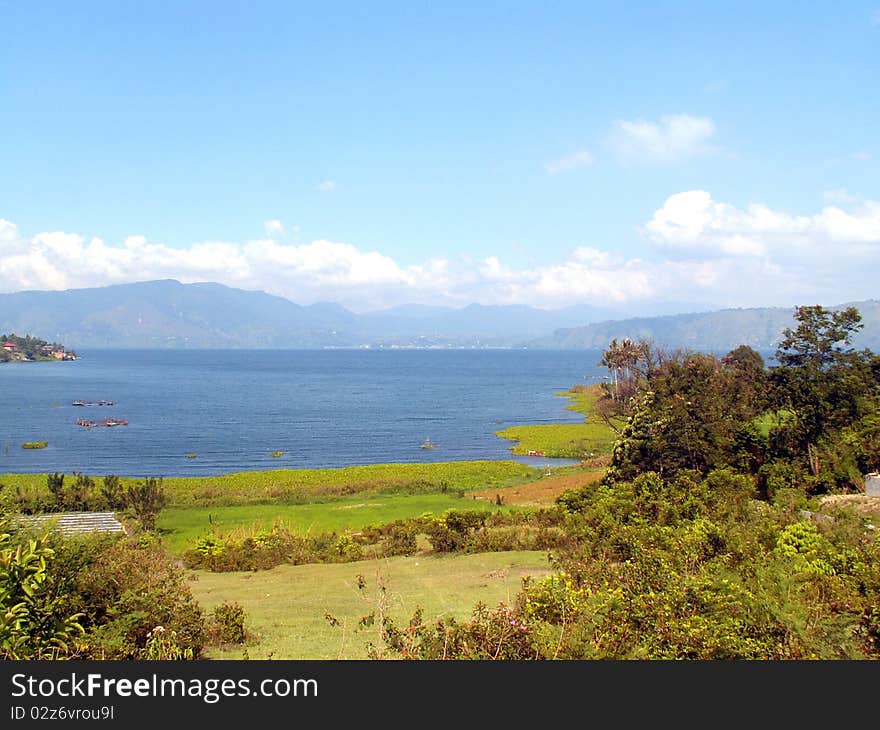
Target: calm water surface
[[322, 408]]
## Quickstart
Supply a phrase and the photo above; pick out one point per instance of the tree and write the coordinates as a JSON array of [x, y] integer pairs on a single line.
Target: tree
[[113, 493], [813, 380], [679, 422], [821, 340], [146, 499], [77, 496], [746, 380], [55, 484]]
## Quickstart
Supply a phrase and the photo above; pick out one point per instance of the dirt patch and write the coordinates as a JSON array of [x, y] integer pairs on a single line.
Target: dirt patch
[[862, 503], [542, 491]]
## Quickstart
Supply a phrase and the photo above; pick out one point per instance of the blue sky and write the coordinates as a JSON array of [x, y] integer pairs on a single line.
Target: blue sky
[[377, 153]]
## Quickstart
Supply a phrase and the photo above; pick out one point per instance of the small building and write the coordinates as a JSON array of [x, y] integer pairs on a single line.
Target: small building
[[9, 346], [872, 484]]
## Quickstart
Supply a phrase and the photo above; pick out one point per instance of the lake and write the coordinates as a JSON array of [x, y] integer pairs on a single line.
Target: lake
[[321, 408]]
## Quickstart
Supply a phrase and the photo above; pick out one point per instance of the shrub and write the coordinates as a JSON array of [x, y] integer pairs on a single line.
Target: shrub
[[130, 588], [228, 624], [36, 621], [499, 634]]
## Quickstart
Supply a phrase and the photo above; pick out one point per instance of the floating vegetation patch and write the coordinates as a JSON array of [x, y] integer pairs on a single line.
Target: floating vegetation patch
[[276, 454], [191, 455], [35, 444]]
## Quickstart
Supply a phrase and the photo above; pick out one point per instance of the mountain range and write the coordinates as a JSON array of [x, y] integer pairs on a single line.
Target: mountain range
[[169, 314], [717, 331]]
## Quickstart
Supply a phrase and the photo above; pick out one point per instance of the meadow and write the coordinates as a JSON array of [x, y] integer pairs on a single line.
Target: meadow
[[180, 527], [287, 607]]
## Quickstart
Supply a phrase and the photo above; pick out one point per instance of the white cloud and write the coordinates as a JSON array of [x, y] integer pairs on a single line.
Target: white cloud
[[326, 186], [692, 225], [704, 251], [580, 158], [861, 156], [273, 228], [673, 137]]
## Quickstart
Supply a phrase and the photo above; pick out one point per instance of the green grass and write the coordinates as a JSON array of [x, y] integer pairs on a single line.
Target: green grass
[[299, 486], [771, 420], [181, 526], [286, 606], [35, 444], [573, 440]]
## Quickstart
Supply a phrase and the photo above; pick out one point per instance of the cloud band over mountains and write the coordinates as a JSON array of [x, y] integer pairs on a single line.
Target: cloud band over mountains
[[698, 250]]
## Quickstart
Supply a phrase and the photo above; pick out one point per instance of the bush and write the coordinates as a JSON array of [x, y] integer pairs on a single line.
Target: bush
[[130, 588], [500, 634], [36, 621], [228, 624]]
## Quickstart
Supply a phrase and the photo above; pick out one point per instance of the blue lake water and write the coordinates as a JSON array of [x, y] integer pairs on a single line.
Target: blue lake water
[[321, 408]]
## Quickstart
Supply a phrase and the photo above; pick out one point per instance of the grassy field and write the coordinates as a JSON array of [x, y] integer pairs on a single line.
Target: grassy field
[[180, 526], [286, 606], [573, 440], [292, 486]]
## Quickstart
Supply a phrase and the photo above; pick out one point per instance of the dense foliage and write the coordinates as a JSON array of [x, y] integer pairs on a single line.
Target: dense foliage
[[93, 597], [142, 499], [704, 540], [455, 531]]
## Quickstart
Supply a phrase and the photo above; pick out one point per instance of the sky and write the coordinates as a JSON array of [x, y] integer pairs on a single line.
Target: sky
[[634, 155]]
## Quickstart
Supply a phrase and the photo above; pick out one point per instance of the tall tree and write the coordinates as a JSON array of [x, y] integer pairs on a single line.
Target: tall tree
[[812, 380]]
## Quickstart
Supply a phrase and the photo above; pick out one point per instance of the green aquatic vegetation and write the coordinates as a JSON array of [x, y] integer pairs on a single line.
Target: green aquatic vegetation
[[566, 440], [35, 444], [302, 486]]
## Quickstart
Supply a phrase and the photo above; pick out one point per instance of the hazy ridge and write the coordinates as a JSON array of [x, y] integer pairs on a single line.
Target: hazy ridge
[[168, 314]]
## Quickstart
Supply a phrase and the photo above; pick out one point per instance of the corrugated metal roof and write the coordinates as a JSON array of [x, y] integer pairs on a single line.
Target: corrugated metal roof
[[72, 523]]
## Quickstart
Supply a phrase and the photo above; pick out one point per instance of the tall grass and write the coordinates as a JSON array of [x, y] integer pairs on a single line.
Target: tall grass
[[301, 486]]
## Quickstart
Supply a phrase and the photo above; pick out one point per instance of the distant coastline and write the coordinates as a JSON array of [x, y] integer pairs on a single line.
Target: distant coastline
[[14, 348]]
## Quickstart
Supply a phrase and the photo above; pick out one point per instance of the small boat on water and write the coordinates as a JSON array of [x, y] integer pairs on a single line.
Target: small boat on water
[[92, 403], [428, 444], [107, 423]]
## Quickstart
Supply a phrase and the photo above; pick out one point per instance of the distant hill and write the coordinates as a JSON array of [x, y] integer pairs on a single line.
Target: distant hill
[[168, 314], [760, 328]]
